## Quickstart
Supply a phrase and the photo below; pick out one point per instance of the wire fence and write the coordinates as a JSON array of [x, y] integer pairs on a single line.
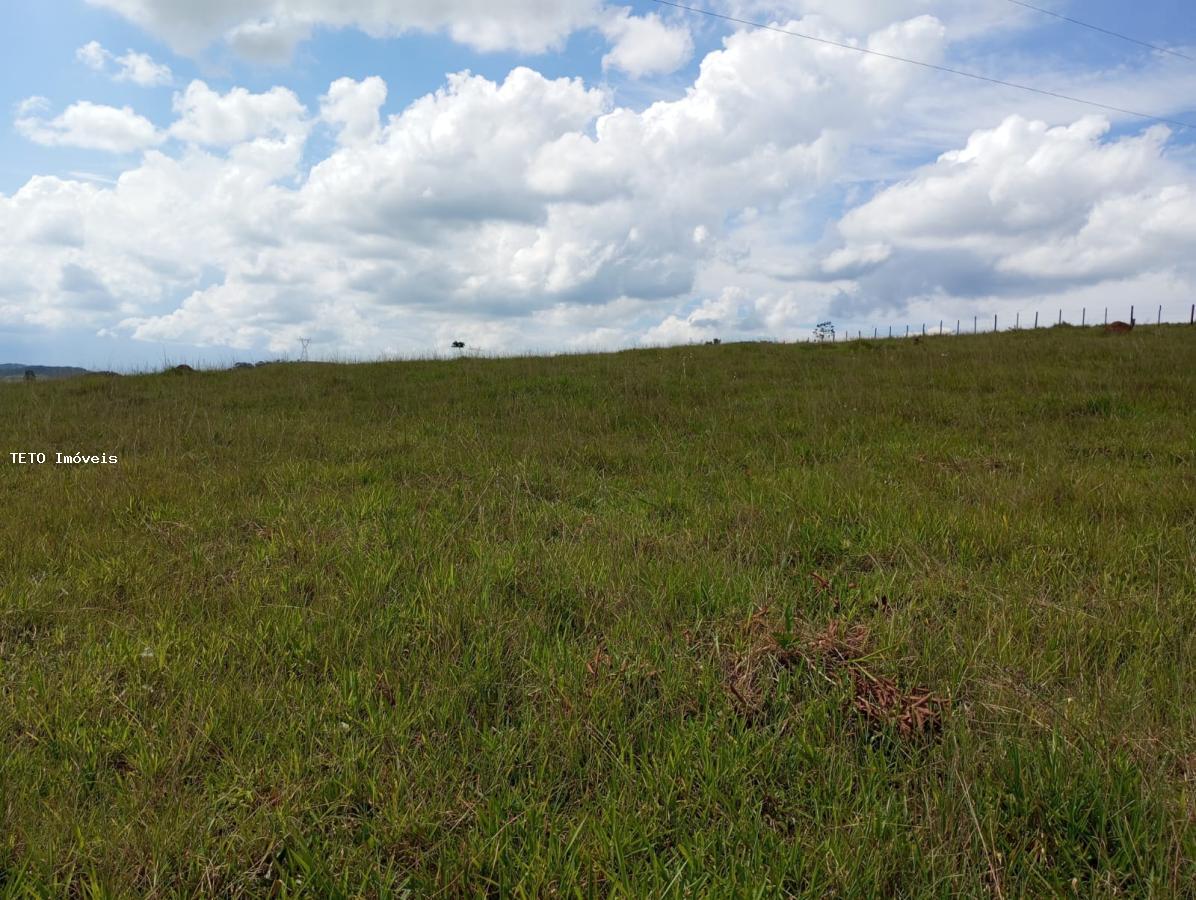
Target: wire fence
[[826, 331]]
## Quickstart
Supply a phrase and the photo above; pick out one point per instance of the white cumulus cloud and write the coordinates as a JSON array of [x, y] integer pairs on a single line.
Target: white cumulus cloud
[[93, 55], [87, 125], [211, 118], [270, 28], [137, 68], [1028, 199], [352, 108], [645, 45], [141, 69]]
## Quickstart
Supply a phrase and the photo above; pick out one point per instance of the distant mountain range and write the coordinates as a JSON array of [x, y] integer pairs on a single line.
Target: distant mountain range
[[9, 371]]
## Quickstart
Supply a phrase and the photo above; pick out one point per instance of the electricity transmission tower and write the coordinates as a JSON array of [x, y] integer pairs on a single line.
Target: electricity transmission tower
[[305, 343]]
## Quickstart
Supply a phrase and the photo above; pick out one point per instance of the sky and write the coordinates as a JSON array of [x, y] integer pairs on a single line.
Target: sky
[[209, 183]]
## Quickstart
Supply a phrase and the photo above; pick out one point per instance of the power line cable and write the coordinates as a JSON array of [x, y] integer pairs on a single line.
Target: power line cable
[[926, 65], [1116, 34]]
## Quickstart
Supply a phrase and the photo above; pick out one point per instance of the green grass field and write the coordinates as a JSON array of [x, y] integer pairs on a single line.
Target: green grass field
[[550, 626]]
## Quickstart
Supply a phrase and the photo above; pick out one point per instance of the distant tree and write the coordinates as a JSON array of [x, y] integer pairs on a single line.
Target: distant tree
[[30, 375], [458, 345], [824, 331]]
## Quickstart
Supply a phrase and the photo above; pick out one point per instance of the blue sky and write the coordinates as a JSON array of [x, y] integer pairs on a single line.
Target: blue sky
[[710, 181]]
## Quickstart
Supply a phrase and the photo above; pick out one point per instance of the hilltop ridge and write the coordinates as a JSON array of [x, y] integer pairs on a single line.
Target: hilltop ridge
[[18, 370]]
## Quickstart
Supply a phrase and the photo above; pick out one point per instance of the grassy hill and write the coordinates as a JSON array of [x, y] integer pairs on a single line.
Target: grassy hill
[[877, 618]]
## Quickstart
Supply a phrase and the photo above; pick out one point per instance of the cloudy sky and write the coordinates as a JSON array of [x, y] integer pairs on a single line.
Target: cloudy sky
[[209, 182]]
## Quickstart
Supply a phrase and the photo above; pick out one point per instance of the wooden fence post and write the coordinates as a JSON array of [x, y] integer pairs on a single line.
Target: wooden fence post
[[1036, 320]]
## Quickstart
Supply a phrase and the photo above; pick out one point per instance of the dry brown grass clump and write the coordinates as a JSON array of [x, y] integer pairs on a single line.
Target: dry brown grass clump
[[836, 652]]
